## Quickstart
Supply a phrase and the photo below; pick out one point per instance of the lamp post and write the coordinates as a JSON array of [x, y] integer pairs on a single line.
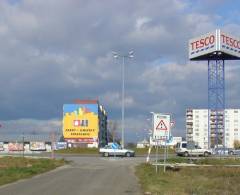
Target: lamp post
[[123, 56]]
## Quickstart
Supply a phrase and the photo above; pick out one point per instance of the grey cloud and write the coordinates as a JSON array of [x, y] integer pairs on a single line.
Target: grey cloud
[[52, 53]]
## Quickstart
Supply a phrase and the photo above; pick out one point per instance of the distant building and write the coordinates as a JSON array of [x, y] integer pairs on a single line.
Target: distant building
[[143, 144], [85, 124], [202, 132]]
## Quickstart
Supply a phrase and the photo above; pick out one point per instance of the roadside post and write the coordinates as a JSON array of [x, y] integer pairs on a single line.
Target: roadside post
[[161, 131], [52, 145], [23, 145]]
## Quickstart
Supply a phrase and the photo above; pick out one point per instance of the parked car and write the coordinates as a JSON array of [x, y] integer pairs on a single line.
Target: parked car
[[189, 149], [234, 152], [108, 150], [221, 151]]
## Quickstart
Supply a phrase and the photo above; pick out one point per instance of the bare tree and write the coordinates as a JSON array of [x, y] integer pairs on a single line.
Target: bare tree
[[113, 135]]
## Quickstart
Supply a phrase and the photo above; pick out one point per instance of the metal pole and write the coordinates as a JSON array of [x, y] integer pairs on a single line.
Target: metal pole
[[157, 156], [123, 101], [23, 145], [129, 55], [165, 152], [53, 140]]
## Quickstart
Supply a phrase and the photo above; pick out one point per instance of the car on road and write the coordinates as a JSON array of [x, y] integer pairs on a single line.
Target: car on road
[[109, 150], [189, 149], [221, 151], [234, 152]]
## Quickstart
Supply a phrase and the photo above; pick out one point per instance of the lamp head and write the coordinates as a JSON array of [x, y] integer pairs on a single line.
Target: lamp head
[[115, 54], [130, 54]]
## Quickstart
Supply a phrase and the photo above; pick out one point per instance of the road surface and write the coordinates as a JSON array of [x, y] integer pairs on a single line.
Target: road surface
[[83, 176]]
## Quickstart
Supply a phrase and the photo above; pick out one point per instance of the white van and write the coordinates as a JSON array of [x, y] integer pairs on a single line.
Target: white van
[[189, 149]]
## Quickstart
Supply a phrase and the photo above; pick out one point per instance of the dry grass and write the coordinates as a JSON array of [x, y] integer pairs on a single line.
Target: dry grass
[[15, 168], [190, 180]]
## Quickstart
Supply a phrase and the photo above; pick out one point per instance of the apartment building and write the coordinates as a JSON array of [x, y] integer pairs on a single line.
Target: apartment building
[[202, 129]]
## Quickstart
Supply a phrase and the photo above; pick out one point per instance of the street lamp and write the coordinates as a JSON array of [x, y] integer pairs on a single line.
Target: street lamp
[[123, 56]]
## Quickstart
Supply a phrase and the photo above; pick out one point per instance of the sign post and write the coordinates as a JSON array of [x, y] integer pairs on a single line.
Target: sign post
[[161, 131]]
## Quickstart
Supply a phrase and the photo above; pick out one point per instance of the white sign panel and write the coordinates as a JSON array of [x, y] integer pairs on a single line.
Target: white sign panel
[[230, 44], [202, 45], [161, 126], [217, 41]]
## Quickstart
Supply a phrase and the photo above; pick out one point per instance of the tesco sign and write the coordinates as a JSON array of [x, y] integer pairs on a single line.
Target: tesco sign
[[230, 41], [203, 42], [201, 48]]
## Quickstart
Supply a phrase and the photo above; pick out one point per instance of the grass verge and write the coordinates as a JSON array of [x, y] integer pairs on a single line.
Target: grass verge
[[15, 168], [212, 180], [138, 151]]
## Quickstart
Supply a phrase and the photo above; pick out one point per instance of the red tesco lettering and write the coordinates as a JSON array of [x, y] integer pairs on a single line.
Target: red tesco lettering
[[203, 42], [230, 41]]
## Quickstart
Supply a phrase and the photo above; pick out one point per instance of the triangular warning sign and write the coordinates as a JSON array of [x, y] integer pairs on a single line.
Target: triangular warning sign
[[161, 126]]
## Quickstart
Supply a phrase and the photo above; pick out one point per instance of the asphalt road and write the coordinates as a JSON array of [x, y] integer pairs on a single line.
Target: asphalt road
[[83, 176]]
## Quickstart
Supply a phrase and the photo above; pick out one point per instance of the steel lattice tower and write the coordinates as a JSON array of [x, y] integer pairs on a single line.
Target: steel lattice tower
[[215, 47], [216, 102]]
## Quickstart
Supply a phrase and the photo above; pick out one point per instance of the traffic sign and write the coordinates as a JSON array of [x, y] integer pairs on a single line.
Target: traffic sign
[[161, 126]]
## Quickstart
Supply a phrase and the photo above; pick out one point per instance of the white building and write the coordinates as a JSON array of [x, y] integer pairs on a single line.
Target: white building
[[197, 127]]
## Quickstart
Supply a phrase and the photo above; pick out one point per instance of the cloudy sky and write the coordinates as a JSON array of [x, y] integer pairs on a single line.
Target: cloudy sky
[[55, 51]]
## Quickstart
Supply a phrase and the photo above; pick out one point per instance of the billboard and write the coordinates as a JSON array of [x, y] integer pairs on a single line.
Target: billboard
[[216, 42], [161, 126], [230, 44], [13, 146], [59, 145], [1, 146], [37, 146], [202, 45], [80, 122]]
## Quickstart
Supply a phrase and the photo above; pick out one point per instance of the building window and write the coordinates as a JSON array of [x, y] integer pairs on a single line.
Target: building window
[[235, 111]]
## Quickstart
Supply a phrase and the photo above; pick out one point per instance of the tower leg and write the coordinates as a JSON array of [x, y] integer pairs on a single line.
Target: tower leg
[[216, 103]]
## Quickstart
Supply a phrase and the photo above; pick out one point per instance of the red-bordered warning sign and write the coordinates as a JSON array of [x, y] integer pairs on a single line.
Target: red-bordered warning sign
[[161, 126]]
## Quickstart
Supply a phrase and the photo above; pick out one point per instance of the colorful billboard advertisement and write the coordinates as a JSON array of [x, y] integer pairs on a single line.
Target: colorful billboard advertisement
[[1, 146], [37, 146], [80, 121], [13, 146]]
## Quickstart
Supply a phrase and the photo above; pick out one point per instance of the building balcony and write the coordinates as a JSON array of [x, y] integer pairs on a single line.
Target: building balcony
[[189, 126]]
